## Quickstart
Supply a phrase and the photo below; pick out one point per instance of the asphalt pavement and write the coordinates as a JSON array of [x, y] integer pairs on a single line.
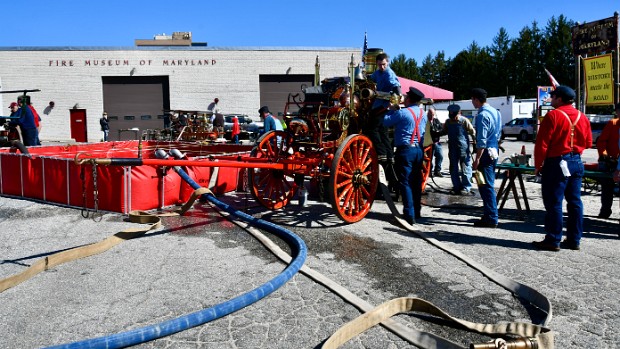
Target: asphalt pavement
[[202, 259]]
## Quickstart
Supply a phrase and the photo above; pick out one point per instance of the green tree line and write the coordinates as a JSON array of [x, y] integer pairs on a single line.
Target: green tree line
[[509, 66]]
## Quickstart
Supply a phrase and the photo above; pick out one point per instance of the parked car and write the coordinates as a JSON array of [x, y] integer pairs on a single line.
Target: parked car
[[249, 129], [522, 128]]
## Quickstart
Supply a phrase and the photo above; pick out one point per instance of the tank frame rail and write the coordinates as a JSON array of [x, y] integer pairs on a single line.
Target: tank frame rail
[[291, 164], [277, 168]]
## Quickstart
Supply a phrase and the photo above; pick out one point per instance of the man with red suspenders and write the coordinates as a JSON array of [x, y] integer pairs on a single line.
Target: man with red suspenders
[[563, 135], [409, 126]]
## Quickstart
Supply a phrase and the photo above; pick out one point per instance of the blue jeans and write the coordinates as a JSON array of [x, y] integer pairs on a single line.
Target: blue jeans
[[408, 162], [555, 187], [460, 171], [438, 154], [487, 190]]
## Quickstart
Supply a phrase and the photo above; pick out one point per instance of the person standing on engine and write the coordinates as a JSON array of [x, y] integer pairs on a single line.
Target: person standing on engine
[[458, 128], [564, 134], [488, 127], [387, 82], [409, 127]]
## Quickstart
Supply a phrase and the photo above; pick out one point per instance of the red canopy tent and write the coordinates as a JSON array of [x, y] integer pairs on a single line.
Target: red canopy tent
[[437, 94]]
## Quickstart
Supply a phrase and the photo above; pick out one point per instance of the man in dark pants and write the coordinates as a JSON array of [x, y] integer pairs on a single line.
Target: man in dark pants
[[26, 124], [409, 127], [488, 130], [105, 126], [459, 129], [608, 152], [387, 82], [435, 129], [563, 135]]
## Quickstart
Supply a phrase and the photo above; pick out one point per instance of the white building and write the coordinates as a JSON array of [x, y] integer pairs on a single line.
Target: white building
[[136, 85]]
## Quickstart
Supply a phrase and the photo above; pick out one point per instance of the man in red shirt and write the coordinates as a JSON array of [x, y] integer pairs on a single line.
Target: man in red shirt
[[608, 151], [563, 135]]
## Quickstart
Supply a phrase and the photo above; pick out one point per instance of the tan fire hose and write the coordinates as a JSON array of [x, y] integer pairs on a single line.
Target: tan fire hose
[[55, 259], [530, 335]]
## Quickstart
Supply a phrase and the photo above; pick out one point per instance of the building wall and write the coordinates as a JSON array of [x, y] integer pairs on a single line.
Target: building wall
[[73, 76]]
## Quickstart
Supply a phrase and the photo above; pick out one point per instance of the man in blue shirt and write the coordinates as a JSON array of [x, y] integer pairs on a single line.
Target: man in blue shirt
[[386, 81], [270, 122], [488, 131], [26, 124], [409, 126]]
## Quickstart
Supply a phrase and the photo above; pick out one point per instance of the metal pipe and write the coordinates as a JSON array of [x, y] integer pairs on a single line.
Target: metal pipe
[[171, 163]]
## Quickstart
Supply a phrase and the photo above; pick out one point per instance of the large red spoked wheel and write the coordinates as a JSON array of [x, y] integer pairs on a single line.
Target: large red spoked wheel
[[354, 178], [274, 189]]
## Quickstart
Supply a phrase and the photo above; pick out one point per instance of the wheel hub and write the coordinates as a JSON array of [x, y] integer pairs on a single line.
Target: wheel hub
[[360, 179]]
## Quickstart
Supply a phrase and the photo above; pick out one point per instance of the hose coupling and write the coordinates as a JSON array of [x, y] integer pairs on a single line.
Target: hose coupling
[[499, 343]]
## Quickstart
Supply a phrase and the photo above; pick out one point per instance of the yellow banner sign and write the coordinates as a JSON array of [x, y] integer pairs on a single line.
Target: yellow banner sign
[[599, 80]]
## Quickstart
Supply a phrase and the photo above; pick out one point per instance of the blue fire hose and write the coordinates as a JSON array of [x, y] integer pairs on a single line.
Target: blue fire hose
[[166, 328]]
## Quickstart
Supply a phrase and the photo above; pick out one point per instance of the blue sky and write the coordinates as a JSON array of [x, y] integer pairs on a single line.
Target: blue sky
[[413, 28]]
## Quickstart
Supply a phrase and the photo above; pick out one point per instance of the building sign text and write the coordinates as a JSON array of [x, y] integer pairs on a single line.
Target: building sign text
[[127, 62]]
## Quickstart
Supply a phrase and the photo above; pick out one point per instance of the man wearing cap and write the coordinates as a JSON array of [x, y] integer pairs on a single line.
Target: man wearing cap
[[458, 128], [270, 123], [386, 81], [563, 135], [13, 107], [488, 129], [409, 126], [608, 152]]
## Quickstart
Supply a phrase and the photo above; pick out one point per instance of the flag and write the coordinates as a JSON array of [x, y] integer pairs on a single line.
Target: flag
[[554, 82], [365, 44]]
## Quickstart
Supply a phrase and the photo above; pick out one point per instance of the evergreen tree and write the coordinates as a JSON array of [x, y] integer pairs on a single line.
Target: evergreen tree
[[502, 80], [405, 67], [558, 50], [509, 66]]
